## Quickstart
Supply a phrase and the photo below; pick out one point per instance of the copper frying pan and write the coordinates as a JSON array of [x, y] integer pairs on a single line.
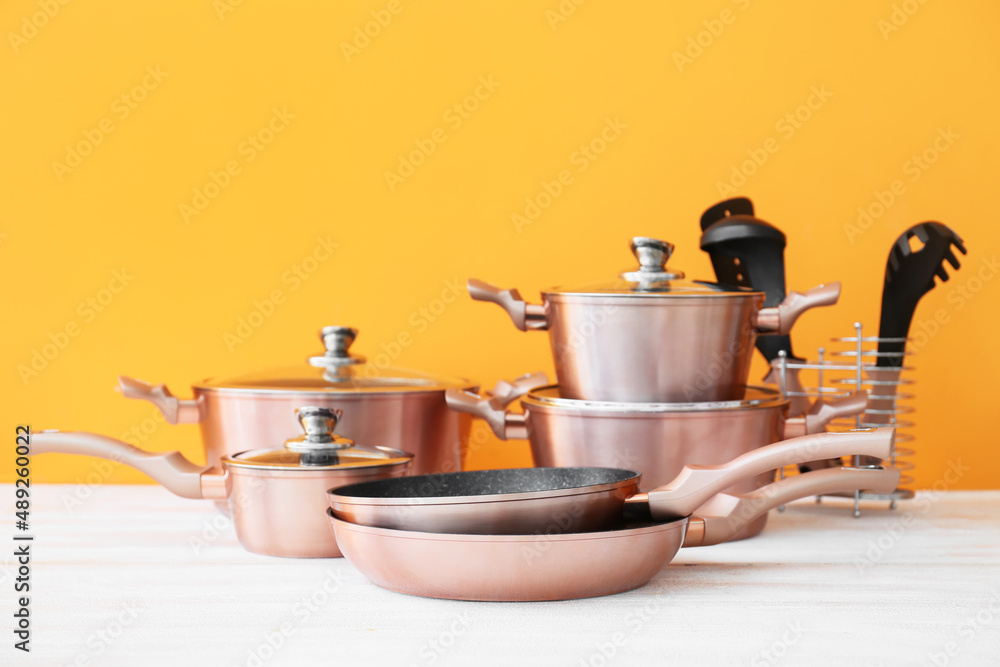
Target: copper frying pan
[[575, 500], [570, 565]]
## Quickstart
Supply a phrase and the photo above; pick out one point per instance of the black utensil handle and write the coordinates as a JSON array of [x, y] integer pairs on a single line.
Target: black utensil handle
[[749, 252], [724, 209]]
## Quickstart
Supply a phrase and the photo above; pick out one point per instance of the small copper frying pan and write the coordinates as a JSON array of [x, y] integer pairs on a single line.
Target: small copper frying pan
[[570, 565], [572, 500]]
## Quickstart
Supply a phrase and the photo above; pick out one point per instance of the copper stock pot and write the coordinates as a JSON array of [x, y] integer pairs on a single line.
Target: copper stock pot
[[651, 337]]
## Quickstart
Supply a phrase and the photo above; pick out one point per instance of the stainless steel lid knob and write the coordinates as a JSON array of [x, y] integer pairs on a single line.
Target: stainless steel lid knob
[[653, 255], [318, 423], [337, 341]]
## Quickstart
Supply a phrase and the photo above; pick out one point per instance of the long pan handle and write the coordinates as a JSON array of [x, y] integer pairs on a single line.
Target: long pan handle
[[695, 485], [724, 516], [170, 469]]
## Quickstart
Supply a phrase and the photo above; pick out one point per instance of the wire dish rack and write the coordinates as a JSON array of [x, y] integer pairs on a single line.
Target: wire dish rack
[[852, 365]]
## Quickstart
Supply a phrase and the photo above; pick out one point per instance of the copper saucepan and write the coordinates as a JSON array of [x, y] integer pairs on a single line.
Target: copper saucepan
[[650, 336], [527, 500], [565, 566], [276, 496], [393, 407]]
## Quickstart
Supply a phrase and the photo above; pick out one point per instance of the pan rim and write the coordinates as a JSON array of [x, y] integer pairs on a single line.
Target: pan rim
[[536, 400], [534, 538], [333, 497]]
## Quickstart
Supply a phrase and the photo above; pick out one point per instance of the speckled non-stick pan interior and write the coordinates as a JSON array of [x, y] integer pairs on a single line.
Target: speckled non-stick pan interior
[[486, 482]]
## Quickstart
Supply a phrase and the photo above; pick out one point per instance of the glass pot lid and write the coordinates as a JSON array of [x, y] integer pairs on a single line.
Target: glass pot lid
[[653, 278], [318, 449], [336, 370], [549, 397]]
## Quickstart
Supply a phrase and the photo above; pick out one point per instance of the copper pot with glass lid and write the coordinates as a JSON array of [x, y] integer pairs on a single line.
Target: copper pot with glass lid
[[650, 336], [276, 496], [393, 407]]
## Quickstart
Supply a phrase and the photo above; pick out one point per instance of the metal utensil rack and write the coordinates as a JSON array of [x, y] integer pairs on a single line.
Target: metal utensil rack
[[851, 366]]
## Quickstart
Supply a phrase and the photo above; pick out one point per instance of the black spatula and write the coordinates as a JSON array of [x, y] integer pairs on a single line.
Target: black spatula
[[909, 274]]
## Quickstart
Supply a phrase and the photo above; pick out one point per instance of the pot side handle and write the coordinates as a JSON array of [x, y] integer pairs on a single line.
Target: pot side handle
[[171, 469], [780, 318], [823, 412], [176, 410], [695, 484], [507, 392], [526, 316], [506, 425], [724, 516]]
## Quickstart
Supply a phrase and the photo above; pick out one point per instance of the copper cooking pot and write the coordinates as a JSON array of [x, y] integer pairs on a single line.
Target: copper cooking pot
[[396, 408], [651, 337], [275, 496], [657, 439]]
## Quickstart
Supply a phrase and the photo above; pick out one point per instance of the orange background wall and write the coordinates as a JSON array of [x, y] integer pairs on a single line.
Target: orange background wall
[[162, 96]]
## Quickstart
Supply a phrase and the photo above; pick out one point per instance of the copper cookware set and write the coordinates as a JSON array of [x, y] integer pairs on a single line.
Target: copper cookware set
[[650, 441]]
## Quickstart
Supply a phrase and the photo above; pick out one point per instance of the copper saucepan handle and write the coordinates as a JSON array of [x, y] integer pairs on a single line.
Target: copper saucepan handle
[[725, 515], [526, 316], [823, 412], [492, 409], [695, 485], [505, 393], [176, 410], [779, 319], [170, 469]]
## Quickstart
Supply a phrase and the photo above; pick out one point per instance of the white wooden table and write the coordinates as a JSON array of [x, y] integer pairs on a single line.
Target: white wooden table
[[134, 576]]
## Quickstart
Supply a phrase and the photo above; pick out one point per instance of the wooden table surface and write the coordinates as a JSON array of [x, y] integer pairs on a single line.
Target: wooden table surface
[[134, 576]]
